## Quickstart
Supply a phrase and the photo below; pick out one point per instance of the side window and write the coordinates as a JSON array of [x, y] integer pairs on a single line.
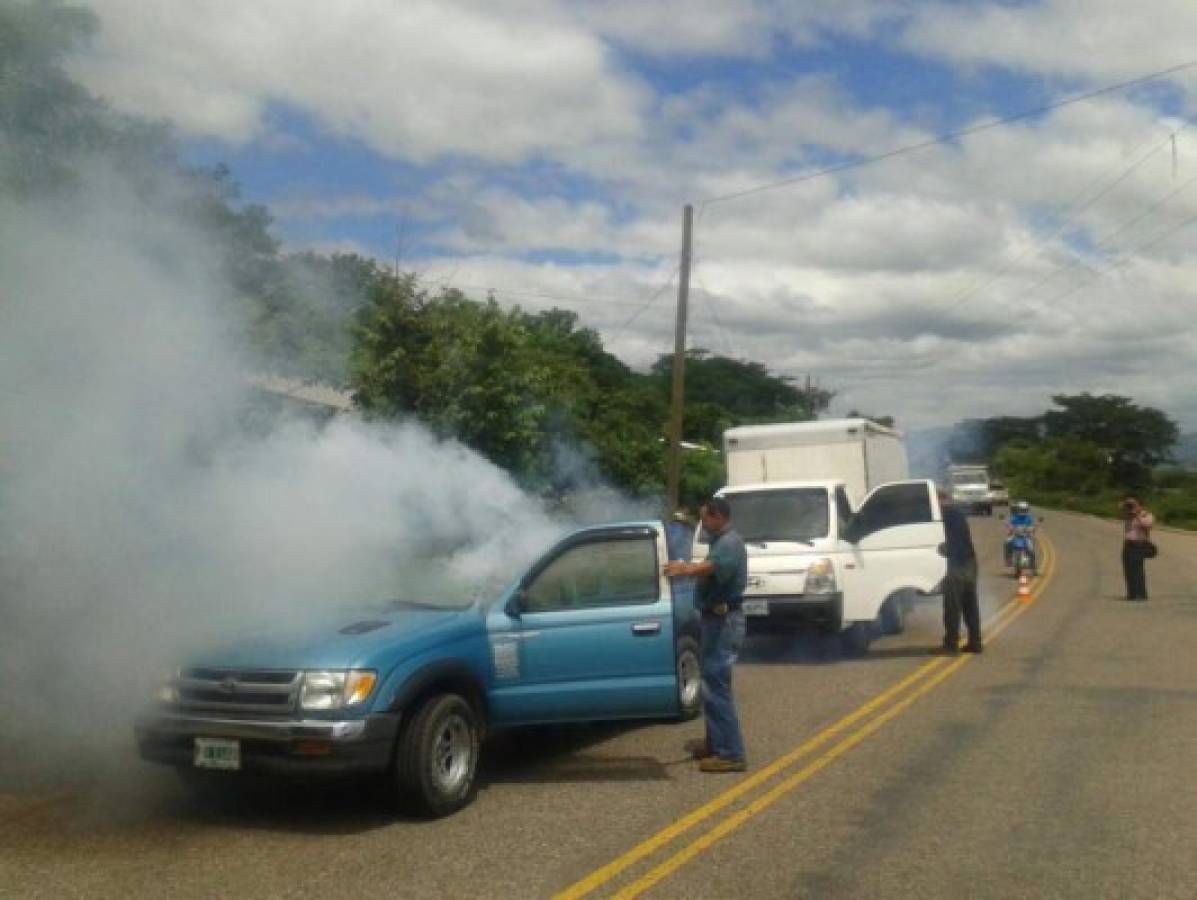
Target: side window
[[896, 504], [599, 573], [843, 511]]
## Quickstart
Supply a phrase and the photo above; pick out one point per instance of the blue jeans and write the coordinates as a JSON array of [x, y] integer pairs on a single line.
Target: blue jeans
[[722, 638]]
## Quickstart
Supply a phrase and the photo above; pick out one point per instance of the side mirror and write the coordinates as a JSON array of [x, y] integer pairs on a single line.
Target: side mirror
[[942, 550], [515, 603]]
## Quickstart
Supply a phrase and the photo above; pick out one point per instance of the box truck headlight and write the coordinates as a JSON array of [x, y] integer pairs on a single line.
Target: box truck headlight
[[820, 578]]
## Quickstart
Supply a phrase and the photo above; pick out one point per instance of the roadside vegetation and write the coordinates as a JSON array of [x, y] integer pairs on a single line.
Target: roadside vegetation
[[1083, 455]]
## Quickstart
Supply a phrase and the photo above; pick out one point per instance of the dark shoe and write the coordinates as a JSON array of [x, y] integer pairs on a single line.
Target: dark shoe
[[718, 765], [697, 748], [947, 649], [973, 647]]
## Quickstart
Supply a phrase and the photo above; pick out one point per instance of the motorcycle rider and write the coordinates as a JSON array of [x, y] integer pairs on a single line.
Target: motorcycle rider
[[1021, 523]]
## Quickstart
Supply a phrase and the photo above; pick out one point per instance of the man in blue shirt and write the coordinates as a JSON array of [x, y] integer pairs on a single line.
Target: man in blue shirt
[[960, 583], [723, 576], [1021, 522]]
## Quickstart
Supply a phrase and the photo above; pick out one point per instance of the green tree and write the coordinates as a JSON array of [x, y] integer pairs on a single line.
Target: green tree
[[1135, 437], [723, 392], [1054, 466]]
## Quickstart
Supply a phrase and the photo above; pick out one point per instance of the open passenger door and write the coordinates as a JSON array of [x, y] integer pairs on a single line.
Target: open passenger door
[[895, 538]]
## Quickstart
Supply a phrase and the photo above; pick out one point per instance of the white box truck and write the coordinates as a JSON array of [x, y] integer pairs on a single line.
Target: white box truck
[[860, 453], [836, 533]]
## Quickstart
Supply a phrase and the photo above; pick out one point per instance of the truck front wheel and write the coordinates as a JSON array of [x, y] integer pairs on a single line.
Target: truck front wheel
[[893, 614], [855, 639], [436, 758], [689, 678]]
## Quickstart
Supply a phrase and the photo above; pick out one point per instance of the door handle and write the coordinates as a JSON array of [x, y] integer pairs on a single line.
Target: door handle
[[643, 629]]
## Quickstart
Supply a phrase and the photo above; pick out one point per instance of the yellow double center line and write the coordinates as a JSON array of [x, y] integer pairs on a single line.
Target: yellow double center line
[[930, 674]]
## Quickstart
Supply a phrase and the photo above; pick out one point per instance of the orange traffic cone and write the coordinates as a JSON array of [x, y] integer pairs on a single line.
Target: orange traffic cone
[[1024, 588]]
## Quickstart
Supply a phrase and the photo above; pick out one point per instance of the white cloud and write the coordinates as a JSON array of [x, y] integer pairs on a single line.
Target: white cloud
[[746, 28], [418, 79], [951, 282], [1097, 39]]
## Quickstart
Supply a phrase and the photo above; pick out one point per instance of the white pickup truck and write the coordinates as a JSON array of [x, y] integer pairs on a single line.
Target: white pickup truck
[[815, 555]]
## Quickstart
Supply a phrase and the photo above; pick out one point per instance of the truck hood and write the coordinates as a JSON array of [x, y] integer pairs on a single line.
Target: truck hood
[[367, 638], [768, 549]]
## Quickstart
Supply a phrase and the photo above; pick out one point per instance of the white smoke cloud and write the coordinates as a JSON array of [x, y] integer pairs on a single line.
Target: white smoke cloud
[[138, 517]]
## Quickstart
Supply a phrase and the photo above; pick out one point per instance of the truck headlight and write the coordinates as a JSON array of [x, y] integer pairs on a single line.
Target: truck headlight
[[335, 689], [167, 690], [820, 577]]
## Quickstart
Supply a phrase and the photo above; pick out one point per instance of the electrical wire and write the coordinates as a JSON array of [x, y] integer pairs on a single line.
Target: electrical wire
[[948, 136], [649, 302], [1128, 258], [1104, 244], [1073, 209]]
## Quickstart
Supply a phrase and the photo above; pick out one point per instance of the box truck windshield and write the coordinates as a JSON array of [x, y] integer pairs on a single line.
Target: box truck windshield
[[970, 478], [799, 514]]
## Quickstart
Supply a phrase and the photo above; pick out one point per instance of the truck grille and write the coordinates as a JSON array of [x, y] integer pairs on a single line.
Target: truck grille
[[240, 690]]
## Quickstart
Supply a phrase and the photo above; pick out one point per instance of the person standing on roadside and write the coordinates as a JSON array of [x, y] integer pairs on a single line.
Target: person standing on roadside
[[722, 578], [960, 583], [1136, 546]]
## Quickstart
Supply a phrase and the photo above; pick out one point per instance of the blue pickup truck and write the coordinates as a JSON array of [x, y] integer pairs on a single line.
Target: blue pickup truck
[[408, 689]]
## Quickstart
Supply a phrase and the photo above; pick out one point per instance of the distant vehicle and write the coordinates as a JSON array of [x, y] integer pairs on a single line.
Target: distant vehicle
[[999, 496], [407, 690], [969, 488], [835, 533]]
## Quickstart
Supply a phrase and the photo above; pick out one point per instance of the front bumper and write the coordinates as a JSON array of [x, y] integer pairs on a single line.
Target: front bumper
[[824, 609], [274, 746]]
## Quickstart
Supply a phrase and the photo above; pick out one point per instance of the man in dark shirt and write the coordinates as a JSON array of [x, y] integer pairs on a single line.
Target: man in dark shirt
[[960, 583], [723, 576]]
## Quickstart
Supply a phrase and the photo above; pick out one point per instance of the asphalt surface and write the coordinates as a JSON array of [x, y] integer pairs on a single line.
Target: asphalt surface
[[1057, 764]]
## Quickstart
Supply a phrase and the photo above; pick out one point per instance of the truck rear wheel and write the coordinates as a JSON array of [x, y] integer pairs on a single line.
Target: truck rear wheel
[[436, 758]]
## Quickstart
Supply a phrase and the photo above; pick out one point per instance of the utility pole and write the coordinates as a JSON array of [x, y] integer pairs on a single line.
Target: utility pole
[[674, 467]]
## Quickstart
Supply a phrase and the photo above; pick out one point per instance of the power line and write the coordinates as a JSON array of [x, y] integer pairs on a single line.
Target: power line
[[1129, 256], [1074, 208], [649, 302], [710, 307], [1105, 241], [946, 137]]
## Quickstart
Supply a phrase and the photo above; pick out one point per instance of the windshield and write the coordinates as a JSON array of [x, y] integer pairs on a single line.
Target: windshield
[[787, 515], [968, 478], [435, 582]]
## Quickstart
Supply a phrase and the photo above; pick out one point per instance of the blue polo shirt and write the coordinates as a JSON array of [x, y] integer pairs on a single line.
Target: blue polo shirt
[[727, 583]]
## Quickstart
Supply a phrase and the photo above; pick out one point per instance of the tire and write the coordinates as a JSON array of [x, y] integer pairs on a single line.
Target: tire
[[855, 639], [436, 757], [689, 678], [893, 615]]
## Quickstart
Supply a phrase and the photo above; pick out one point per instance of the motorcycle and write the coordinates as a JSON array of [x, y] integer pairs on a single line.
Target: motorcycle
[[1022, 552]]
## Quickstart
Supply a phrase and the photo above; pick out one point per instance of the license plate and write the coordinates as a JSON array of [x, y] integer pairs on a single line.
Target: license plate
[[217, 753], [756, 607]]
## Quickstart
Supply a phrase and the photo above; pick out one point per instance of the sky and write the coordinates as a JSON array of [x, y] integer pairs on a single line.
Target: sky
[[543, 150]]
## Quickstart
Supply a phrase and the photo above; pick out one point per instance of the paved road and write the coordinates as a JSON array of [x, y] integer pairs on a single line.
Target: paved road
[[1056, 765]]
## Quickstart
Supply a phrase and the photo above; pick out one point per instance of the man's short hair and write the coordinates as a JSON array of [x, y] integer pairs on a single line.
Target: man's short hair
[[719, 506]]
